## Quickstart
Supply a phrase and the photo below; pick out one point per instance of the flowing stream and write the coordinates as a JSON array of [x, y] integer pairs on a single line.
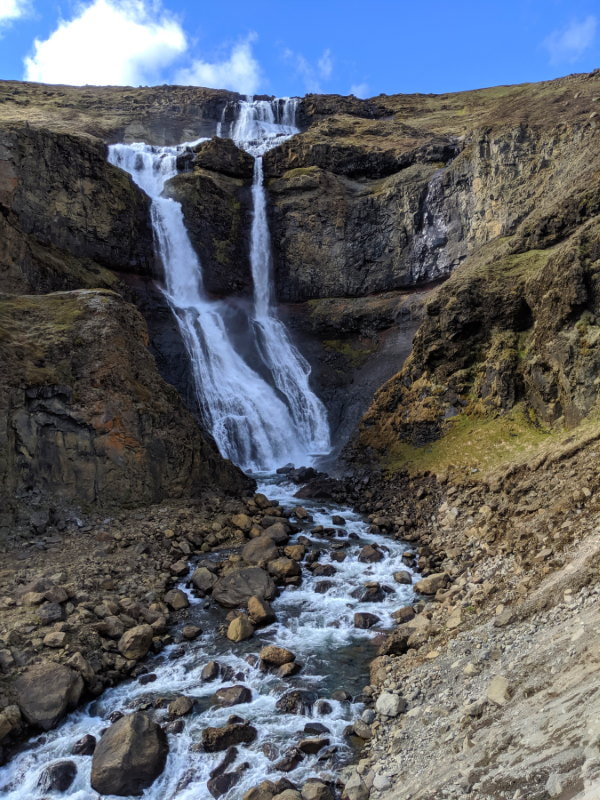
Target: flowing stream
[[317, 627], [261, 416], [258, 422]]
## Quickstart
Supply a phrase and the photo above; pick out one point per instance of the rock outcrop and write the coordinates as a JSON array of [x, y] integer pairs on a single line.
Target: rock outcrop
[[86, 417]]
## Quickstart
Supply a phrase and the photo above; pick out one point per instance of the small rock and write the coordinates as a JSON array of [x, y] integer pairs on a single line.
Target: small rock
[[180, 706], [276, 656], [433, 583], [498, 690], [390, 705], [176, 599], [233, 695], [58, 777], [190, 632], [240, 629], [55, 639], [84, 746], [403, 577], [363, 619]]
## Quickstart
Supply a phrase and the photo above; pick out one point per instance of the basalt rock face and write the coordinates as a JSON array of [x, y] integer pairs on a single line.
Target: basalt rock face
[[215, 196], [86, 418], [67, 217]]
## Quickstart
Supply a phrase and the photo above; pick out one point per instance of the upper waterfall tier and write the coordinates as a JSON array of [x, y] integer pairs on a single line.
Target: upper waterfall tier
[[258, 405]]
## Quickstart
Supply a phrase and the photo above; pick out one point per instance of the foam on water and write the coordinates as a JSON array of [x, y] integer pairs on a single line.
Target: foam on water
[[317, 627]]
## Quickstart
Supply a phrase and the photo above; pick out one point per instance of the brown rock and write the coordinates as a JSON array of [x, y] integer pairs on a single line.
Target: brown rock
[[235, 589], [216, 739], [260, 611], [129, 756], [240, 629], [135, 643], [276, 656], [46, 691], [177, 599], [259, 551]]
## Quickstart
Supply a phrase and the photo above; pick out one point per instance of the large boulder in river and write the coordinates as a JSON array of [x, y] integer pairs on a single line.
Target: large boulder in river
[[236, 588], [46, 691], [217, 739], [260, 550], [130, 756]]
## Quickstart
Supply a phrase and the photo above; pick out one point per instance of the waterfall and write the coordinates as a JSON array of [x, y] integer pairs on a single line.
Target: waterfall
[[258, 422]]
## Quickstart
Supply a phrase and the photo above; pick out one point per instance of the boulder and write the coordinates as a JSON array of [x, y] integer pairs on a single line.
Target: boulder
[[297, 701], [176, 599], [84, 746], [390, 705], [240, 629], [129, 756], [315, 789], [313, 745], [283, 568], [260, 611], [433, 583], [242, 521], [180, 706], [264, 791], [216, 739], [135, 643], [10, 721], [363, 619], [46, 691], [236, 588], [278, 532], [222, 783], [203, 580], [276, 656], [233, 695], [370, 554], [210, 671], [58, 777], [403, 577], [260, 550], [190, 632]]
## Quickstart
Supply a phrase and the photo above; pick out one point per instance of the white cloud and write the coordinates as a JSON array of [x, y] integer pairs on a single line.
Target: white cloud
[[12, 9], [240, 72], [568, 44], [312, 74], [360, 89], [115, 42]]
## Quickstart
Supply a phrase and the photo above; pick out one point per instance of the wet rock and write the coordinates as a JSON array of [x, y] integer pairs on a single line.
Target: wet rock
[[259, 551], [233, 695], [58, 777], [84, 746], [370, 593], [148, 678], [322, 587], [236, 588], [390, 705], [129, 756], [291, 668], [203, 580], [190, 632], [337, 520], [370, 554], [264, 791], [295, 551], [240, 629], [297, 701], [363, 619], [221, 784], [315, 728], [135, 643], [289, 762], [210, 671], [323, 707], [46, 691], [176, 599], [323, 570], [362, 729], [260, 612], [433, 583], [10, 721], [215, 739], [180, 707], [276, 656], [403, 577], [313, 745]]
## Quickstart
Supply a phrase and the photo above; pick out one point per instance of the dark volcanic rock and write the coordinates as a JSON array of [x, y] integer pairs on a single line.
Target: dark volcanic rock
[[130, 756]]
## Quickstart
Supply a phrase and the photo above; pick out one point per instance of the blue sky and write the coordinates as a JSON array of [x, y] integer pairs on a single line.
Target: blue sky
[[290, 48]]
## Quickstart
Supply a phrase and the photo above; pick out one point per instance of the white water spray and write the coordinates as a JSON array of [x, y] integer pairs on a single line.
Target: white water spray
[[258, 423]]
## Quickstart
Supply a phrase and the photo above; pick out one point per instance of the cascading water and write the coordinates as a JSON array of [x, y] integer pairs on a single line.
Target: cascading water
[[259, 424]]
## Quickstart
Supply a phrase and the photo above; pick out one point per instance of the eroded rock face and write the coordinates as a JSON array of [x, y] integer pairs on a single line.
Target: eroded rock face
[[68, 217], [130, 756], [86, 417]]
